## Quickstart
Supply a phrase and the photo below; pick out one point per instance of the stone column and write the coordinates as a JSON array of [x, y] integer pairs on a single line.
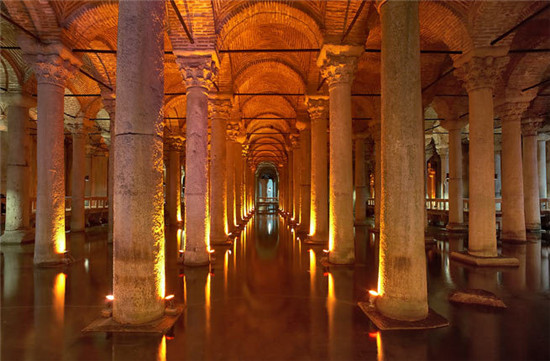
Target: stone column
[[542, 165], [78, 217], [513, 212], [375, 129], [529, 129], [296, 178], [221, 107], [109, 103], [53, 65], [338, 64], [479, 69], [361, 192], [318, 113], [289, 181], [402, 267], [237, 156], [231, 132], [444, 157], [173, 184], [305, 175], [456, 199], [138, 238], [198, 71], [19, 172], [498, 169]]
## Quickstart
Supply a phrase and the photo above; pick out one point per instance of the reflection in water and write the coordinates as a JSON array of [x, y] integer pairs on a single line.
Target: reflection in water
[[59, 296]]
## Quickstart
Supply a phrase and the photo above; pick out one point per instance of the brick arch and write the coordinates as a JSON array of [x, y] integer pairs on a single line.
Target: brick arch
[[90, 21]]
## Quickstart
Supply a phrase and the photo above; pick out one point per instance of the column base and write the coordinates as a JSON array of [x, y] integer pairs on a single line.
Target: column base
[[457, 227], [533, 227], [315, 239], [17, 237], [498, 261], [220, 241], [361, 222], [62, 260], [194, 259], [341, 259], [512, 239], [434, 320]]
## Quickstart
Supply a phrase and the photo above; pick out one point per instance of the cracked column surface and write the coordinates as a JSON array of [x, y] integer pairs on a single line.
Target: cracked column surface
[[53, 65], [18, 168], [338, 64], [318, 113], [138, 239], [402, 281], [360, 181], [198, 71]]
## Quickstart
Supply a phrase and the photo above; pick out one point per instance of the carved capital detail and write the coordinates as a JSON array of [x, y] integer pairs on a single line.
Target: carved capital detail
[[198, 70], [338, 63], [511, 112], [232, 131], [175, 142], [317, 107], [481, 69], [295, 140], [220, 108], [530, 126]]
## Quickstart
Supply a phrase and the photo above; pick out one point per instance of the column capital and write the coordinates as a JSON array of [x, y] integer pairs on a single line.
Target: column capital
[[530, 126], [19, 99], [199, 69], [302, 125], [175, 142], [220, 106], [294, 140], [52, 63], [443, 151], [317, 106], [77, 127], [108, 98], [360, 136], [453, 124], [511, 111], [232, 131], [339, 62], [481, 67], [543, 137]]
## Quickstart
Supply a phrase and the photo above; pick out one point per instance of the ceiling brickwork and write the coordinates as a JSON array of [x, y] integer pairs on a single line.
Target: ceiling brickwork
[[233, 27]]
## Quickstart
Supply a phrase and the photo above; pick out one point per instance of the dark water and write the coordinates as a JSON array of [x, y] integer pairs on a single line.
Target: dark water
[[269, 298]]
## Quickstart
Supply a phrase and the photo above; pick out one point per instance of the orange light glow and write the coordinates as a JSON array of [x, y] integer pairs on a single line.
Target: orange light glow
[[373, 293], [60, 244], [169, 297], [326, 250], [59, 295], [110, 297], [162, 349], [373, 334], [178, 237], [312, 268]]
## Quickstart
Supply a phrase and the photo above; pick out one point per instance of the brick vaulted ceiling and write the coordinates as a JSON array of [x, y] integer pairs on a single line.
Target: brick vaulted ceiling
[[245, 25]]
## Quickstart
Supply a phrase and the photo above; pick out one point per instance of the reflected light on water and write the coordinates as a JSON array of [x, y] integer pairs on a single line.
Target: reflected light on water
[[331, 304], [59, 295], [312, 268], [379, 351], [162, 349]]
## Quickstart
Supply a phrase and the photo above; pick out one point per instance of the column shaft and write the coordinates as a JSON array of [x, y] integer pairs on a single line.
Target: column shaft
[[542, 168], [17, 183], [230, 185], [305, 180], [402, 272], [237, 154], [218, 214], [296, 184], [456, 201], [361, 192], [531, 182], [173, 193], [138, 239], [78, 217]]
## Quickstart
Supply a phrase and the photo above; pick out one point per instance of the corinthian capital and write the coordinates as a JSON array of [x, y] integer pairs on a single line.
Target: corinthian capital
[[52, 63], [481, 67], [232, 131], [199, 69], [220, 107], [339, 62], [530, 126], [317, 107]]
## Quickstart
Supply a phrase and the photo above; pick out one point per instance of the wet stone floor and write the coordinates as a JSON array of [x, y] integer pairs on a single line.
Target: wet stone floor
[[268, 297]]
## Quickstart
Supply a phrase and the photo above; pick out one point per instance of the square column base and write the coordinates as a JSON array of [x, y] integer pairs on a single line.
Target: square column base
[[160, 326], [434, 320], [18, 237], [499, 261]]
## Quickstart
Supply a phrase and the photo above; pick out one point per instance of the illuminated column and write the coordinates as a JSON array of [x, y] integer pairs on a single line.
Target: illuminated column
[[338, 64], [402, 266], [221, 108], [456, 200], [317, 107], [541, 156], [296, 178], [173, 184], [138, 239], [513, 212], [444, 157], [78, 217], [479, 70], [18, 168], [53, 64], [198, 71], [361, 192], [529, 129], [289, 182], [231, 132], [305, 175], [375, 131], [109, 103], [237, 154]]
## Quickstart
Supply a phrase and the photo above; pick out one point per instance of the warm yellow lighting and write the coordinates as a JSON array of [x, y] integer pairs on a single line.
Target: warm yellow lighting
[[373, 293], [162, 349], [169, 297], [109, 297], [178, 237], [59, 295], [207, 289], [312, 269], [331, 305], [326, 250], [59, 244]]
